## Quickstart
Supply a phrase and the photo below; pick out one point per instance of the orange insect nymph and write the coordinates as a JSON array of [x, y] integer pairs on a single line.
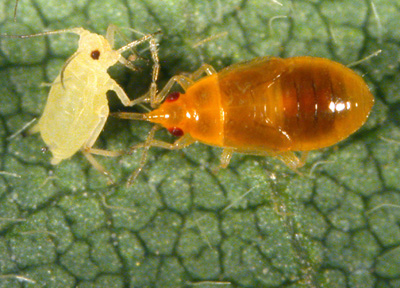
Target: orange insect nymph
[[267, 106]]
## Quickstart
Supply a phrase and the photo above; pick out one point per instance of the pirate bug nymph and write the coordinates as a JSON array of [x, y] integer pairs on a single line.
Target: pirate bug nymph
[[266, 106], [77, 105]]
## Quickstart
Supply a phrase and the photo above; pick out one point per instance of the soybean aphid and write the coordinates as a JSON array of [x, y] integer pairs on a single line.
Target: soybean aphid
[[77, 106]]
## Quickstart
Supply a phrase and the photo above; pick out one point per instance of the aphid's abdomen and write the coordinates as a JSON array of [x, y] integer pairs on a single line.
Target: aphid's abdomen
[[71, 115], [300, 104]]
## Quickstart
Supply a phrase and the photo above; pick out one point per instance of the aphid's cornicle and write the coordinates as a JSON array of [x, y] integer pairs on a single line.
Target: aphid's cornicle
[[77, 106], [267, 106]]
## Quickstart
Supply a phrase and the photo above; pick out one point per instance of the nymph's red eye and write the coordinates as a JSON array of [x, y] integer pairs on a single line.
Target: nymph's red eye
[[178, 132], [172, 97]]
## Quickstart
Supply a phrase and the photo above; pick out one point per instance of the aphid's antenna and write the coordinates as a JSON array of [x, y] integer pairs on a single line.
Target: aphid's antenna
[[18, 277], [15, 10], [65, 66], [376, 53], [78, 31]]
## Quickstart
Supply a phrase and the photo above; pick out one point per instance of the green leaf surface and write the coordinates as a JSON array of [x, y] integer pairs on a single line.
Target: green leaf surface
[[185, 223]]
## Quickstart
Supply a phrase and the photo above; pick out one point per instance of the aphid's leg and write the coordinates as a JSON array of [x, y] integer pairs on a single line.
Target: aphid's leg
[[182, 142], [156, 71], [87, 149], [142, 162], [110, 34], [181, 80], [97, 165], [112, 85], [127, 64], [205, 68], [154, 55], [103, 152], [226, 157]]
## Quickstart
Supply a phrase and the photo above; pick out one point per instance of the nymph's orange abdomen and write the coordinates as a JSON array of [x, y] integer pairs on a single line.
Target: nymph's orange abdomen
[[297, 104]]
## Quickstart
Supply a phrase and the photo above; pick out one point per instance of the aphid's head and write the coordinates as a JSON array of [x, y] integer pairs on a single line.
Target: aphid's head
[[171, 114], [96, 50]]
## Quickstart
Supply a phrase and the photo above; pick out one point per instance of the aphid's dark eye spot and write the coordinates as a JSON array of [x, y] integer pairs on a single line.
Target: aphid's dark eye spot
[[95, 54], [172, 97], [178, 132]]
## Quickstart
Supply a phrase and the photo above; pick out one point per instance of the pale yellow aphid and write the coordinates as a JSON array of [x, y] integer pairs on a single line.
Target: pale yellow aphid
[[77, 105]]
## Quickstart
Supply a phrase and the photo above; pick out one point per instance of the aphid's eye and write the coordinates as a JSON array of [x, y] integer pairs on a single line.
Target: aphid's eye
[[178, 132], [172, 97], [95, 54]]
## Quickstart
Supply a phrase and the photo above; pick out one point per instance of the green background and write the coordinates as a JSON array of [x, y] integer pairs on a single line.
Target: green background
[[183, 223]]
